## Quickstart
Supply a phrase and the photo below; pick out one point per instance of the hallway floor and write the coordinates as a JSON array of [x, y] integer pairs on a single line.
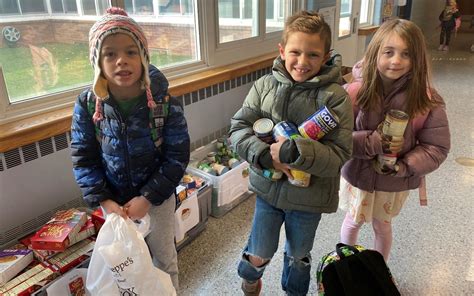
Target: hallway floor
[[433, 247]]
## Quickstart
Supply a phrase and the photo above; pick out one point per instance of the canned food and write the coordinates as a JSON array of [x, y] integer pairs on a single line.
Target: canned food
[[286, 129], [395, 123], [219, 168], [263, 128], [233, 163], [221, 143], [319, 124], [207, 169], [211, 156], [273, 174], [300, 178], [289, 131]]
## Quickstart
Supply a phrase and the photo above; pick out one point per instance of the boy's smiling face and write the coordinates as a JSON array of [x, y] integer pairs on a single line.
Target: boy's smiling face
[[303, 55]]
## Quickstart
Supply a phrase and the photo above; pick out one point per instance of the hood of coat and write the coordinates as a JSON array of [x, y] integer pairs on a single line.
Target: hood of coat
[[158, 82], [330, 72]]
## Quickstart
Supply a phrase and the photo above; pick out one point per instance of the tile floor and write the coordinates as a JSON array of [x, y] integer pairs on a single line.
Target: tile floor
[[433, 249]]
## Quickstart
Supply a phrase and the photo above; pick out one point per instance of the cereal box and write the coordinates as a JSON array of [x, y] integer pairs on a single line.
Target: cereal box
[[12, 262], [57, 233]]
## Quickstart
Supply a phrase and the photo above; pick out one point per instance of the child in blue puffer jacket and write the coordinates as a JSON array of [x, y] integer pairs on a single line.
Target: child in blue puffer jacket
[[129, 138]]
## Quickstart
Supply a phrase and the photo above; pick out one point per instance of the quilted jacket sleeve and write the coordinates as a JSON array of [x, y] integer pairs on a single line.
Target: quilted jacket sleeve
[[86, 156], [242, 136], [433, 145], [176, 150]]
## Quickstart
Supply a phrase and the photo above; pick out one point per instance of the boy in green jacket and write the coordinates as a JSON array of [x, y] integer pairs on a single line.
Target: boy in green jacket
[[304, 78]]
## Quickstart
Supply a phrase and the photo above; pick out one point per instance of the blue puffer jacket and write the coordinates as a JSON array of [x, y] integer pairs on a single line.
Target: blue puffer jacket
[[126, 162]]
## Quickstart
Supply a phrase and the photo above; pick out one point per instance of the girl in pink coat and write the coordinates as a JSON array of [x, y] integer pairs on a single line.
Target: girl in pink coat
[[394, 75]]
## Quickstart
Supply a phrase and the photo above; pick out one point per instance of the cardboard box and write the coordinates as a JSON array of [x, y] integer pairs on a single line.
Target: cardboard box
[[57, 233], [72, 283], [98, 219], [12, 262], [186, 216]]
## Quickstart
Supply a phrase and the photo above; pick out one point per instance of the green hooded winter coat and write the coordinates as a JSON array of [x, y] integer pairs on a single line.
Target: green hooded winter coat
[[278, 97]]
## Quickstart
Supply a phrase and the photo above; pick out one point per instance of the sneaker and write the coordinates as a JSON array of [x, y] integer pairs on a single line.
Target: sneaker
[[440, 47], [252, 289], [445, 48]]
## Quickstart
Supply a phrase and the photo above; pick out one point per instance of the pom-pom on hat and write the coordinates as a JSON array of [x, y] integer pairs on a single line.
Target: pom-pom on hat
[[115, 21]]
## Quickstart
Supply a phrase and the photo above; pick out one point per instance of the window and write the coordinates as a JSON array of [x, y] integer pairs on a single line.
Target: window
[[345, 16], [237, 19], [366, 11], [94, 7], [275, 15], [9, 6], [48, 64], [63, 6]]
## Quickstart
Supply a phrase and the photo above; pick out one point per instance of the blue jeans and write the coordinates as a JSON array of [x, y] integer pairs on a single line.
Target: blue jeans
[[300, 228]]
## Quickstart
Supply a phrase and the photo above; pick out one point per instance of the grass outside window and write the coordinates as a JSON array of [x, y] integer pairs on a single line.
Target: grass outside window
[[32, 71]]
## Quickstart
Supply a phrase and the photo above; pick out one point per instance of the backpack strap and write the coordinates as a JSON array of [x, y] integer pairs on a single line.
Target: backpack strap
[[91, 110], [157, 117]]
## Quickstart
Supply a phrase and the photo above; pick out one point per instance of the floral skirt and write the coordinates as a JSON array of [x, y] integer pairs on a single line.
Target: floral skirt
[[364, 206]]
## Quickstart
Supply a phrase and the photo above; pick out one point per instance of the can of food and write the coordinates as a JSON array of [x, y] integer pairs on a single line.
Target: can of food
[[286, 129], [221, 143], [263, 129], [289, 131], [386, 160], [300, 178], [205, 167], [219, 168], [319, 124], [273, 174], [233, 163], [395, 123], [211, 156]]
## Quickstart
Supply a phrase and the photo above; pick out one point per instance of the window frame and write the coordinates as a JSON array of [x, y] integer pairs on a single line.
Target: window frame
[[211, 54], [370, 13]]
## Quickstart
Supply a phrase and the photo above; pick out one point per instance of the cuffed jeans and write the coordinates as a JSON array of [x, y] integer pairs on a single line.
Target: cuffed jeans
[[300, 228]]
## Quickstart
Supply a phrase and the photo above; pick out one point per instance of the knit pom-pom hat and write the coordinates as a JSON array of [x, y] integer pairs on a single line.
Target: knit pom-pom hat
[[115, 21]]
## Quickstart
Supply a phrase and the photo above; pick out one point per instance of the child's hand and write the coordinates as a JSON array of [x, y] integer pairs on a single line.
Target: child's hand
[[137, 207], [275, 148], [284, 168], [111, 206], [390, 144]]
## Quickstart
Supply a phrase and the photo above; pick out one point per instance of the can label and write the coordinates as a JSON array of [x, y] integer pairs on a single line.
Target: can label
[[300, 178], [319, 124], [289, 131], [273, 174], [286, 129], [395, 123]]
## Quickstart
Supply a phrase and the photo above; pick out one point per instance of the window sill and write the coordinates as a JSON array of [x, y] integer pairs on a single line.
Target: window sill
[[368, 30], [30, 130]]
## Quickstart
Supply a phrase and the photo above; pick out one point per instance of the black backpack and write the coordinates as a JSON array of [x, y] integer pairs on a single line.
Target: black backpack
[[353, 270]]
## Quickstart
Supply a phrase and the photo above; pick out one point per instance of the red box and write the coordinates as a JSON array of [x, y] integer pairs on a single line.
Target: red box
[[58, 232], [98, 219]]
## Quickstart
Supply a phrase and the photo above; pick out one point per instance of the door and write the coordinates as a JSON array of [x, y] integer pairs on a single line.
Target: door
[[347, 24]]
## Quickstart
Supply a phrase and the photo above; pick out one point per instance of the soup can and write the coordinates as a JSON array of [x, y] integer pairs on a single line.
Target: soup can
[[395, 123], [286, 129], [273, 174], [290, 131], [263, 129], [319, 124]]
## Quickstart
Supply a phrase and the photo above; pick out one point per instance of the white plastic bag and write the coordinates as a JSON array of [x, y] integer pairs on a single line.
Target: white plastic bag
[[121, 263]]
